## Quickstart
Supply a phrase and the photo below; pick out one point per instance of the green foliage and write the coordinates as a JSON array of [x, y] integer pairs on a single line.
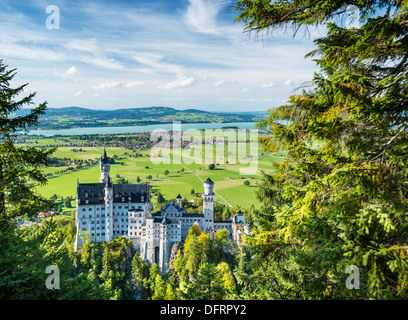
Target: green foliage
[[67, 202], [18, 165], [207, 284], [160, 199], [340, 197]]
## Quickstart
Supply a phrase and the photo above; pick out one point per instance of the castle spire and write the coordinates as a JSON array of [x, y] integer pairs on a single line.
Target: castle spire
[[104, 167], [104, 157]]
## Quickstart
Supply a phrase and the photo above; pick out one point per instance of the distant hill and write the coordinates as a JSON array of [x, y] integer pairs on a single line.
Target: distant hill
[[76, 117]]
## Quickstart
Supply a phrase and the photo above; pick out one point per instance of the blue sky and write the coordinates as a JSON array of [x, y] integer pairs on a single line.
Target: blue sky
[[125, 54]]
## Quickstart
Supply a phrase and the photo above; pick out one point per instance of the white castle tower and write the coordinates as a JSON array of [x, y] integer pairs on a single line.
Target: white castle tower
[[108, 208], [179, 199], [208, 204], [104, 167]]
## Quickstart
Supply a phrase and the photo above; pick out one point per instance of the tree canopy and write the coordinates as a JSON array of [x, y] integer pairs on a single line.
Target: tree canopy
[[340, 197]]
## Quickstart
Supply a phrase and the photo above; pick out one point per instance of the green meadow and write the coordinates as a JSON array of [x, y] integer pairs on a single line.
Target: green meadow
[[186, 171]]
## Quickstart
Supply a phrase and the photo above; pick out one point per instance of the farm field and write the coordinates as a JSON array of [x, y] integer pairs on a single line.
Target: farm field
[[182, 176]]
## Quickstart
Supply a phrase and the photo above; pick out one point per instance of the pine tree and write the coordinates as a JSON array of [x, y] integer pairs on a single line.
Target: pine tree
[[227, 279], [170, 294], [19, 165], [206, 284], [23, 259], [340, 197]]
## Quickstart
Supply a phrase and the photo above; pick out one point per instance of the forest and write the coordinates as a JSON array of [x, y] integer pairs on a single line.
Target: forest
[[333, 223]]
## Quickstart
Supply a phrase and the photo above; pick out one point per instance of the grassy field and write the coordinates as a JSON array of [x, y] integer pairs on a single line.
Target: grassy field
[[227, 177]]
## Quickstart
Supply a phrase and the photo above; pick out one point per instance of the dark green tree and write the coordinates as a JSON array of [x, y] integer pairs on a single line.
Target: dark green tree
[[340, 197], [206, 285], [160, 198], [67, 202], [19, 165]]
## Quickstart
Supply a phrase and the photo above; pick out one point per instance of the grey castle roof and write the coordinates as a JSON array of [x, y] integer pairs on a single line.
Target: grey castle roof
[[166, 220], [95, 193], [104, 157], [209, 181]]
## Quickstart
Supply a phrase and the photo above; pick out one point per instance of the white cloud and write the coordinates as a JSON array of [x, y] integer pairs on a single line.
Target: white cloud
[[107, 85], [78, 93], [70, 71], [288, 82], [179, 83], [134, 84], [201, 15], [249, 99], [218, 83], [268, 85]]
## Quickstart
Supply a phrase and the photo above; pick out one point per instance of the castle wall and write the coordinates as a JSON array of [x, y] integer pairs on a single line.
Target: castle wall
[[152, 236]]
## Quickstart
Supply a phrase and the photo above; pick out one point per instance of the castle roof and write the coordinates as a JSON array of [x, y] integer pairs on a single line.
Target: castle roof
[[171, 204], [239, 218], [166, 220], [104, 157], [178, 197], [95, 193], [209, 181]]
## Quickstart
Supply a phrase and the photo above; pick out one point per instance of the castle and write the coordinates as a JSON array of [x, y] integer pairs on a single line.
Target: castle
[[105, 211]]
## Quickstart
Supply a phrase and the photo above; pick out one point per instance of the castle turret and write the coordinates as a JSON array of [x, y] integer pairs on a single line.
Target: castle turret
[[208, 204], [109, 209], [179, 198], [104, 167], [164, 252]]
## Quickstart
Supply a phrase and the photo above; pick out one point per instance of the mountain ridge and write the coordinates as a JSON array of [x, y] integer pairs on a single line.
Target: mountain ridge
[[77, 117]]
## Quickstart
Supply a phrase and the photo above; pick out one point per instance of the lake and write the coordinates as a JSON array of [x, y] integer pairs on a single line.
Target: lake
[[139, 129]]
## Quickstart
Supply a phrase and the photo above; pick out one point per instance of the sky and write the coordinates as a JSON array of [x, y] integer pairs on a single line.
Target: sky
[[127, 54]]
